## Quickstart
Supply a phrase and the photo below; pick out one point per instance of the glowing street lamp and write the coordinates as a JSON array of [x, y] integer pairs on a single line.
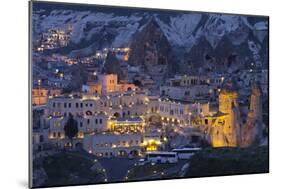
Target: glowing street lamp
[[39, 84]]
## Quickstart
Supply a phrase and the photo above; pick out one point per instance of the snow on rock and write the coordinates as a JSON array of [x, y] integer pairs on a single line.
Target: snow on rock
[[125, 34], [80, 19], [261, 26], [255, 48], [261, 30], [179, 30], [219, 25]]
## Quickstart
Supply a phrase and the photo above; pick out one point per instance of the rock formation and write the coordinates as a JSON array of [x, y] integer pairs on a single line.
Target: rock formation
[[225, 129], [252, 130]]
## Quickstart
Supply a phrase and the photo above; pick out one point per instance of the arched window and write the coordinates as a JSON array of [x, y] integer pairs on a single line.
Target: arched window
[[116, 114], [89, 113]]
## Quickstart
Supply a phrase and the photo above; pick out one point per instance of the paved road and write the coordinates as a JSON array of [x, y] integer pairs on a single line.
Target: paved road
[[116, 168], [175, 169]]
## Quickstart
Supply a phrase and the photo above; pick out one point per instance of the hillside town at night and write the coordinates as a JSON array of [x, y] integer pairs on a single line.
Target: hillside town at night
[[124, 98]]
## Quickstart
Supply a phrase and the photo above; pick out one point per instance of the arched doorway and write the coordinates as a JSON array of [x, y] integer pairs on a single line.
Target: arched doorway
[[154, 119], [122, 153], [116, 114], [134, 153]]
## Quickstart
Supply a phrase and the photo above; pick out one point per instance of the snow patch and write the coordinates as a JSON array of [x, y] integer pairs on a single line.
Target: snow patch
[[179, 30]]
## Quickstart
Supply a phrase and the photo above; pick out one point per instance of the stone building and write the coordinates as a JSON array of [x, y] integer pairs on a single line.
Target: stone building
[[39, 96]]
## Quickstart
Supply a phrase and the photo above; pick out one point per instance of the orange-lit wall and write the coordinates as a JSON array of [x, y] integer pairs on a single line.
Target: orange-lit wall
[[123, 87], [39, 96], [108, 83], [94, 88]]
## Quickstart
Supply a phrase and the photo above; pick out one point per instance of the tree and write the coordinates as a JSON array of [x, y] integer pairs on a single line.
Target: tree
[[71, 128]]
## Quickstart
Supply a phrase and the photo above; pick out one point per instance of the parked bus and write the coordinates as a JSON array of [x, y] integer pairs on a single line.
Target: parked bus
[[185, 153], [159, 157]]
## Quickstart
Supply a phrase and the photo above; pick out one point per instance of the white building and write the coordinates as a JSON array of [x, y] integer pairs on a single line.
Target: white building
[[188, 93], [113, 144], [181, 113]]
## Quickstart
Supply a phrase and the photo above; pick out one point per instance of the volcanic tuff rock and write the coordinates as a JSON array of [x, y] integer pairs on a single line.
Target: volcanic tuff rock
[[215, 41]]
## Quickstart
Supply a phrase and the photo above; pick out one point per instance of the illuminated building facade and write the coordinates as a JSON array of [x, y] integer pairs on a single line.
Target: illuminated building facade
[[108, 83], [113, 144], [39, 96], [126, 125], [153, 141], [92, 88], [181, 113], [54, 38]]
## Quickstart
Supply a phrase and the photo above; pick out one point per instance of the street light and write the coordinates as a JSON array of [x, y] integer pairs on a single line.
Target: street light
[[39, 84]]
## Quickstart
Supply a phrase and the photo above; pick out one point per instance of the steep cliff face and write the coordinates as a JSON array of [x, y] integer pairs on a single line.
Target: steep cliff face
[[149, 46], [252, 131], [231, 50], [112, 66], [151, 49]]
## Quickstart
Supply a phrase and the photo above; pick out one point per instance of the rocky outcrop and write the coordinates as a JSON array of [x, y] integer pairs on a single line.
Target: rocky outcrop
[[112, 65], [253, 129], [151, 49]]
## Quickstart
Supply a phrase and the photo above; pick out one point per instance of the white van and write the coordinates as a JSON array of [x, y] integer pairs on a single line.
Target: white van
[[185, 153], [161, 157]]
